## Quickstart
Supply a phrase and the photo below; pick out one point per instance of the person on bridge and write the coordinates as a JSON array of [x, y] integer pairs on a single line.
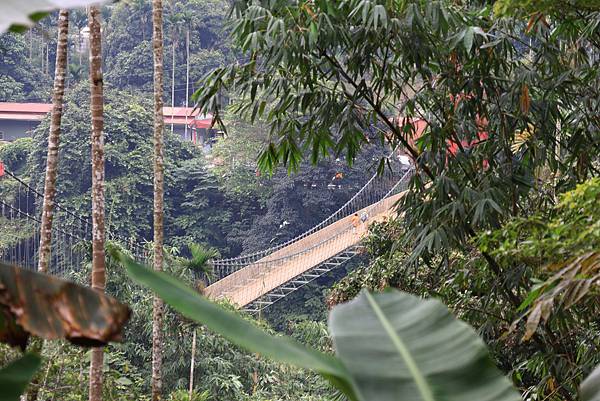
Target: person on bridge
[[364, 216], [355, 220]]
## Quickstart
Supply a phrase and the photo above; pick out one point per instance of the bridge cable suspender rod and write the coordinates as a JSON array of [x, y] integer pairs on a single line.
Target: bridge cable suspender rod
[[365, 197], [263, 282], [68, 229], [67, 236]]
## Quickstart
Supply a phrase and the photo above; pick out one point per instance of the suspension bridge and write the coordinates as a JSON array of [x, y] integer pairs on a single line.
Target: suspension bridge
[[252, 281]]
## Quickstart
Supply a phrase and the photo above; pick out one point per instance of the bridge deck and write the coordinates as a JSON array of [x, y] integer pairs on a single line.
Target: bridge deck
[[253, 281]]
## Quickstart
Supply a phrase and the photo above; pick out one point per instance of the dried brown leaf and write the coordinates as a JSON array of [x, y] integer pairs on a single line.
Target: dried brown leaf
[[531, 23], [570, 284], [576, 292], [525, 99], [52, 308], [533, 321], [10, 332], [546, 307]]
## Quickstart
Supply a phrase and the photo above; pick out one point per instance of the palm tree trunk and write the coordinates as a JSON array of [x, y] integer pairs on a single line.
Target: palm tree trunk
[[187, 78], [98, 231], [47, 58], [192, 363], [157, 312], [173, 83], [79, 45], [51, 167], [42, 54], [31, 45], [60, 72]]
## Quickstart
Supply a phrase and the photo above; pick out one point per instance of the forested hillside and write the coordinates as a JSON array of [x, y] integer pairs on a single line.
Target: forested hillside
[[219, 199], [28, 60]]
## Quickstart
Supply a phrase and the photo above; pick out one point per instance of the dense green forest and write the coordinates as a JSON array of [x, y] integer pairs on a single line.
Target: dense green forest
[[226, 206], [492, 254]]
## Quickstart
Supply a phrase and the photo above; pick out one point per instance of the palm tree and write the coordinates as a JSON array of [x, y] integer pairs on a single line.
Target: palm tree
[[98, 230], [52, 162], [174, 20], [188, 18], [199, 266], [158, 307], [140, 13], [60, 72]]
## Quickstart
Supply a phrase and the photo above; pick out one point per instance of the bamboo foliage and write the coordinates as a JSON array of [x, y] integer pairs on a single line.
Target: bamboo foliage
[[573, 280]]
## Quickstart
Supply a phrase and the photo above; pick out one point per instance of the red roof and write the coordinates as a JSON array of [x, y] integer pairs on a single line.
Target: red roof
[[25, 107], [24, 111], [205, 123], [37, 111], [417, 127], [186, 115], [180, 111]]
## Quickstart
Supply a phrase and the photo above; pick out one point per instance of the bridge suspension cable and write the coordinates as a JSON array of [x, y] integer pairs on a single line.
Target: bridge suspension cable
[[271, 275], [379, 186], [20, 211], [259, 278]]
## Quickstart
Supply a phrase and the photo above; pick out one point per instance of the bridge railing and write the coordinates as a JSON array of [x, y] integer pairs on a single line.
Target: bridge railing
[[20, 219], [20, 211], [377, 189], [246, 285]]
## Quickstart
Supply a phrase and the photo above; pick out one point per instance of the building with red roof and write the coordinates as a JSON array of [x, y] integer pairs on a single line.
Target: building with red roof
[[17, 120], [416, 127]]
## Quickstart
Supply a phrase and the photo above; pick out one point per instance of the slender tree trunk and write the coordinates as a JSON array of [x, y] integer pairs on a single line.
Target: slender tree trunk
[[193, 363], [79, 46], [31, 45], [47, 58], [98, 231], [51, 168], [157, 313], [173, 83], [143, 28], [187, 80], [42, 54], [60, 72]]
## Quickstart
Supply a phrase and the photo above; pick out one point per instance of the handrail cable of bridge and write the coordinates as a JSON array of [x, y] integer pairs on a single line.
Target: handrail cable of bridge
[[378, 187], [41, 195], [312, 230], [75, 231], [259, 278], [37, 220]]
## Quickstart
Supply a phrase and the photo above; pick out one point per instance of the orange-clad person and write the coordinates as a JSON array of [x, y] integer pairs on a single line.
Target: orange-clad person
[[355, 220]]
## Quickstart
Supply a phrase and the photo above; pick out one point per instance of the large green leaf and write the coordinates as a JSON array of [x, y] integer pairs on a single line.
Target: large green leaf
[[17, 375], [231, 326], [19, 13], [392, 346], [590, 388], [400, 347]]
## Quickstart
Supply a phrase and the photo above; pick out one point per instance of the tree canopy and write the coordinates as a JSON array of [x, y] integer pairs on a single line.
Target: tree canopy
[[331, 79]]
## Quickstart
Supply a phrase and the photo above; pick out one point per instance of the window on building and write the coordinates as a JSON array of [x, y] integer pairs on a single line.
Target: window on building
[[1, 136]]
